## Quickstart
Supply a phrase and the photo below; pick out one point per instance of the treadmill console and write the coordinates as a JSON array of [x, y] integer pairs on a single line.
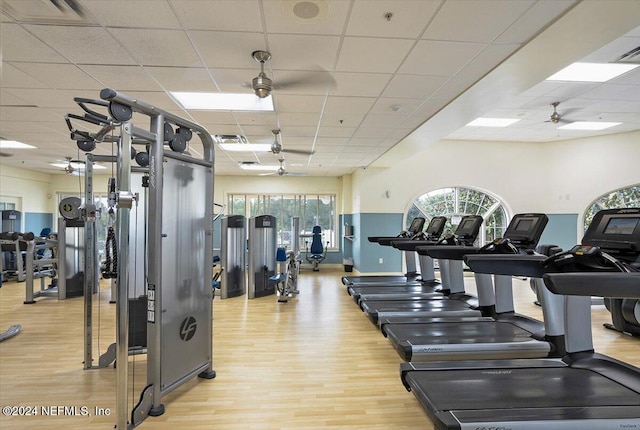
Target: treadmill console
[[416, 226], [617, 232], [435, 228], [466, 233], [524, 230]]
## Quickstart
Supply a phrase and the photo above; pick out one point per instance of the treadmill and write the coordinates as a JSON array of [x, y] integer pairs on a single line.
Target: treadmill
[[506, 335], [414, 230], [453, 305], [466, 233], [426, 276], [583, 389]]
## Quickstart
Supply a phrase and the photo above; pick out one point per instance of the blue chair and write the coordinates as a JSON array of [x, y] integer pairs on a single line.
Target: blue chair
[[317, 253], [280, 278], [45, 232]]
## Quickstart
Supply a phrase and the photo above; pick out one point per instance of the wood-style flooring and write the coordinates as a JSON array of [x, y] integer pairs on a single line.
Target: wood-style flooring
[[315, 362]]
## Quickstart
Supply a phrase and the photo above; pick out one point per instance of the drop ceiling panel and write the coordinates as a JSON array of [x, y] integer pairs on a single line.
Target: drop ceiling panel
[[342, 120], [298, 131], [398, 107], [83, 45], [440, 58], [476, 21], [303, 119], [301, 82], [182, 78], [281, 17], [303, 52], [20, 45], [368, 54], [126, 13], [122, 78], [408, 19], [12, 77], [158, 47], [228, 49], [332, 141], [365, 141], [348, 105], [533, 20], [256, 118], [61, 76], [298, 103], [12, 114], [212, 117], [43, 97], [414, 86], [8, 99], [234, 80], [360, 84], [327, 131], [373, 132], [390, 121], [219, 15]]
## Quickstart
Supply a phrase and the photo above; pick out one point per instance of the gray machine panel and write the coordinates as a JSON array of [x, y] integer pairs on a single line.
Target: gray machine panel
[[186, 295]]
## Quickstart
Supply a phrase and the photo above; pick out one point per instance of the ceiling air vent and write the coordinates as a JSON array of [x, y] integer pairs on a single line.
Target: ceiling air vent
[[45, 11], [632, 57]]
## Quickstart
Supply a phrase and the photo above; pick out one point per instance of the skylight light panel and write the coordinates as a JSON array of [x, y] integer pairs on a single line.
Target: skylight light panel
[[591, 72], [223, 101], [14, 144], [492, 122], [588, 125]]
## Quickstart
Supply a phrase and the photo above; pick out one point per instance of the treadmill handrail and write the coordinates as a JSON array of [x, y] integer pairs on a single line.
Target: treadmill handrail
[[601, 284], [508, 264]]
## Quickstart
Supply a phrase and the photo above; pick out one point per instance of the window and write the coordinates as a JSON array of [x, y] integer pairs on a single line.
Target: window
[[312, 209], [628, 197], [454, 203]]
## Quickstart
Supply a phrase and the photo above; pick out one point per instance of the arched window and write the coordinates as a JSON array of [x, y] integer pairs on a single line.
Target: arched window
[[628, 197], [455, 202]]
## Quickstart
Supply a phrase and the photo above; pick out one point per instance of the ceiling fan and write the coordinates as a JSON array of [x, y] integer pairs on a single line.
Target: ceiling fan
[[557, 117], [276, 146], [282, 171], [70, 169], [262, 84]]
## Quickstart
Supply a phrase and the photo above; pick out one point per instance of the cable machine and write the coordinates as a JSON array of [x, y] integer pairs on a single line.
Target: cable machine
[[179, 246]]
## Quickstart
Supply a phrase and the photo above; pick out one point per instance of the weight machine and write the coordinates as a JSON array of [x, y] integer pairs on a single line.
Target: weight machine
[[179, 247]]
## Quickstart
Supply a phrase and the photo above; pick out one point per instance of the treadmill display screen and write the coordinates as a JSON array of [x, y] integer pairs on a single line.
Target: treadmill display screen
[[435, 225], [525, 225], [466, 227], [416, 225], [621, 225]]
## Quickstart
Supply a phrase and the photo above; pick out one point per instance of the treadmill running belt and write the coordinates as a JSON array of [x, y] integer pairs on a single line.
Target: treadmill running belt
[[535, 389], [456, 333]]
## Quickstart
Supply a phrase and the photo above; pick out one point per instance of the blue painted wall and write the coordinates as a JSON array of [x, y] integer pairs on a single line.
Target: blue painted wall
[[35, 222], [365, 253], [561, 230]]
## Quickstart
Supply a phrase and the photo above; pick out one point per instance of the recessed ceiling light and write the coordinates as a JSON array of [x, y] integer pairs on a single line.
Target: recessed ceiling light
[[223, 101], [245, 147], [492, 122], [591, 72], [255, 166], [76, 166], [589, 125], [14, 144]]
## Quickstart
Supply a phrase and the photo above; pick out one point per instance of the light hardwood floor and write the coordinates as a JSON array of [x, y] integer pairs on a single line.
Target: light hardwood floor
[[313, 363]]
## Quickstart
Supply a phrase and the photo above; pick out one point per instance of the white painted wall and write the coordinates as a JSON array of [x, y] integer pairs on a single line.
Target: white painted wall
[[553, 177]]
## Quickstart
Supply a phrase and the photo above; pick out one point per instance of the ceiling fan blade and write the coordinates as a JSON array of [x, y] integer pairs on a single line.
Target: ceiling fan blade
[[297, 151], [268, 174], [294, 80], [295, 174]]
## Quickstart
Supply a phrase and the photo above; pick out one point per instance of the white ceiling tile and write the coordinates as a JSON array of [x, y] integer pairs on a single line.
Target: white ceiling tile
[[328, 131], [349, 105], [122, 78], [295, 53], [300, 118], [297, 103], [228, 49], [372, 132], [332, 141], [83, 45], [256, 118], [372, 54], [440, 58], [342, 120], [61, 76], [12, 77], [219, 15], [182, 78], [20, 113], [301, 82], [414, 86], [152, 47], [365, 141], [126, 13], [41, 97], [398, 107], [281, 17], [158, 99], [19, 45], [360, 84], [533, 20], [234, 80], [212, 117], [299, 131], [391, 121], [8, 99], [408, 19], [476, 21]]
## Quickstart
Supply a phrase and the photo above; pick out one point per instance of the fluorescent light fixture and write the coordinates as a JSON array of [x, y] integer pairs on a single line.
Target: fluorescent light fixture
[[256, 167], [492, 122], [223, 101], [591, 72], [14, 144], [588, 125], [77, 166], [246, 147]]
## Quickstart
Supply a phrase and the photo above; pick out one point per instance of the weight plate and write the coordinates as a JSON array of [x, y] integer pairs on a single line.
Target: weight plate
[[120, 112], [86, 145], [70, 208], [178, 143], [142, 158], [168, 132]]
